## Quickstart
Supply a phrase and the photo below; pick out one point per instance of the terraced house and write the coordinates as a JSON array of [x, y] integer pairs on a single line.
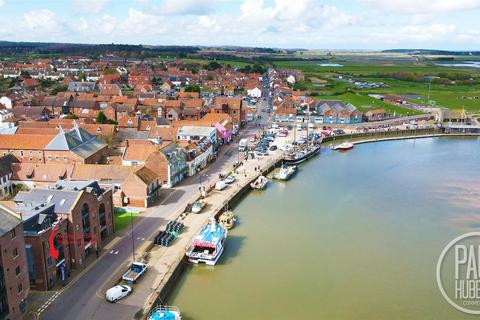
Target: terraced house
[[337, 112]]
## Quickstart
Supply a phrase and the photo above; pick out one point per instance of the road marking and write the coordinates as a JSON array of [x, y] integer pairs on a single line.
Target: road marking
[[48, 302]]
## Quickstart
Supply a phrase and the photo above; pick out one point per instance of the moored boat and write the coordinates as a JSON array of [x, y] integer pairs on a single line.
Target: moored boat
[[198, 206], [343, 146], [285, 172], [165, 313], [301, 155], [207, 246], [227, 219], [260, 183]]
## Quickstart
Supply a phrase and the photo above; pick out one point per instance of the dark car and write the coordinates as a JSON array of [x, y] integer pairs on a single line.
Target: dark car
[[273, 148]]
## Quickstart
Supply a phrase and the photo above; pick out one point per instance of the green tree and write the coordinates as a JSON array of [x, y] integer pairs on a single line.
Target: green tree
[[58, 89], [192, 88], [109, 71], [213, 65], [25, 74], [101, 118]]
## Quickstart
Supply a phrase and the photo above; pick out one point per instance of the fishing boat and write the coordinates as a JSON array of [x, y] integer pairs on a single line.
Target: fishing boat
[[260, 183], [227, 219], [165, 313], [303, 154], [285, 172], [207, 246], [198, 206], [343, 146]]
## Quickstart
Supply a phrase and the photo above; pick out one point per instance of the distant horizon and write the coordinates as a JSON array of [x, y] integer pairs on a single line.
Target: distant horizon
[[238, 46], [371, 25]]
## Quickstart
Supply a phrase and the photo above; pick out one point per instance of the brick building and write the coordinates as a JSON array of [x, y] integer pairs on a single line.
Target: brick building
[[13, 266], [39, 221], [88, 210], [73, 146]]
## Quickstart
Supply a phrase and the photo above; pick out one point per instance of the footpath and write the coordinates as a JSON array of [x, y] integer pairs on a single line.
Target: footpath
[[164, 261]]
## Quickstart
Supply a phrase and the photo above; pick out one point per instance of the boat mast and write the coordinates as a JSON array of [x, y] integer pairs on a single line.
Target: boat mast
[[308, 117]]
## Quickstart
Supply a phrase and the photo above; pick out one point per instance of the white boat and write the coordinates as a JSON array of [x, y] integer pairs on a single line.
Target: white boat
[[343, 146], [165, 313], [285, 172], [207, 246], [260, 183]]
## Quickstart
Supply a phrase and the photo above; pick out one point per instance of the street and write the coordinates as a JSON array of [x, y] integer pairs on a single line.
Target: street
[[84, 298]]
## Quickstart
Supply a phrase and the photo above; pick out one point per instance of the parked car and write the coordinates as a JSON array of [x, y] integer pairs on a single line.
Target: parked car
[[229, 179], [338, 132], [118, 292], [273, 148], [220, 185]]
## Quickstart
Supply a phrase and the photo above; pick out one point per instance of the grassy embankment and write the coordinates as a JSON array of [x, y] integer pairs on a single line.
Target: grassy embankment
[[123, 218]]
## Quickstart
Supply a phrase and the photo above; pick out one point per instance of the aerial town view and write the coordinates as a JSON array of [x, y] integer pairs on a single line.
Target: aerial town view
[[239, 159]]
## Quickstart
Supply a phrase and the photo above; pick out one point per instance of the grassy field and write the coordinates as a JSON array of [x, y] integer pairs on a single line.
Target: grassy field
[[124, 218], [381, 69], [365, 103]]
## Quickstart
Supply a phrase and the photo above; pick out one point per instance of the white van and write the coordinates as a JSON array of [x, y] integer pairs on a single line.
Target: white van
[[118, 292], [220, 185]]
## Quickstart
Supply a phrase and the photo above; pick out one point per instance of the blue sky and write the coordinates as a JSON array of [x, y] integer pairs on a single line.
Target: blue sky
[[311, 24]]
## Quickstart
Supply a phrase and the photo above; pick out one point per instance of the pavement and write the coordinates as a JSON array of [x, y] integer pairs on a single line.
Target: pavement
[[83, 298]]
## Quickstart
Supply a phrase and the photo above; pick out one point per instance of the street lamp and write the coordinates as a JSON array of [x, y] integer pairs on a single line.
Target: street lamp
[[133, 240]]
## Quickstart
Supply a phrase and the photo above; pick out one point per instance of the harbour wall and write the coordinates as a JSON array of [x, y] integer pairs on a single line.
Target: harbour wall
[[177, 269]]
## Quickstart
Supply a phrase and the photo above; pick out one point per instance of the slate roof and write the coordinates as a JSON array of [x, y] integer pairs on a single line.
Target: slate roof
[[8, 220], [6, 164], [77, 140]]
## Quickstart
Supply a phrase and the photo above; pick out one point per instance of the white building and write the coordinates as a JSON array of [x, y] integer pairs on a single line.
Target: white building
[[199, 157], [7, 102], [255, 93], [291, 79], [194, 133]]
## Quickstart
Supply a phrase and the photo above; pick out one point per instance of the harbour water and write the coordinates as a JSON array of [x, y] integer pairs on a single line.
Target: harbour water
[[353, 235]]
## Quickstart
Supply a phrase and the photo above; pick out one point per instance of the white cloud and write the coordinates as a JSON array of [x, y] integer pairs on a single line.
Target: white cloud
[[90, 6], [428, 32], [422, 6], [138, 22], [43, 22], [2, 3], [107, 23], [297, 16], [185, 7], [82, 25]]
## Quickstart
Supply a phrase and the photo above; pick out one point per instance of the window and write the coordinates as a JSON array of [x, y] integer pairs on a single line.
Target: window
[[20, 288], [17, 271], [15, 252], [14, 234], [57, 158]]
